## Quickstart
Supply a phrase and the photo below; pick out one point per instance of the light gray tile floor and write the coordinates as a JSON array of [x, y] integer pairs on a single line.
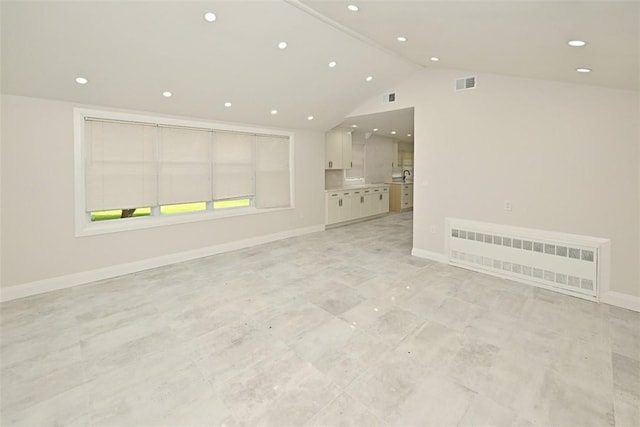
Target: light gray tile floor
[[338, 328]]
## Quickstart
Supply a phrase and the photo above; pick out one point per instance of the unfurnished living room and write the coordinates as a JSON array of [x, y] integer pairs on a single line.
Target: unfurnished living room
[[320, 213]]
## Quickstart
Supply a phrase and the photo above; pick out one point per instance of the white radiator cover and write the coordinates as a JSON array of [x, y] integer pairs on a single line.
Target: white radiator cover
[[565, 263]]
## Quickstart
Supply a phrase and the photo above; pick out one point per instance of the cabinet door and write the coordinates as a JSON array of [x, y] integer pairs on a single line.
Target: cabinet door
[[357, 203], [347, 150], [383, 206], [333, 150], [377, 200], [370, 203], [333, 208], [382, 200], [345, 207]]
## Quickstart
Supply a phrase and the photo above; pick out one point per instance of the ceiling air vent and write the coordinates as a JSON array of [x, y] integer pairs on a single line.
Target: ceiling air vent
[[466, 83], [389, 97]]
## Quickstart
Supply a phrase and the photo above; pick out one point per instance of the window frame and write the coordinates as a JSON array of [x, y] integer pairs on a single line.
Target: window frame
[[85, 227]]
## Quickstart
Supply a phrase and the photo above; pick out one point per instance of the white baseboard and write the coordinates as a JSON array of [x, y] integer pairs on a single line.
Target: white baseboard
[[621, 300], [70, 280], [433, 256], [617, 299]]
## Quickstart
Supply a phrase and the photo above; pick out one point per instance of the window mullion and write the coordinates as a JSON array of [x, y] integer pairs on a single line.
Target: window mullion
[[212, 171], [155, 210]]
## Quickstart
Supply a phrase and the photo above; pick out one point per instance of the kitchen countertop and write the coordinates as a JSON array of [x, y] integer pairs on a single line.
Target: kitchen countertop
[[356, 187], [398, 183]]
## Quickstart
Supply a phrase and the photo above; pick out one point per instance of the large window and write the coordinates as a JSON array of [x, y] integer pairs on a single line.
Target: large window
[[133, 172]]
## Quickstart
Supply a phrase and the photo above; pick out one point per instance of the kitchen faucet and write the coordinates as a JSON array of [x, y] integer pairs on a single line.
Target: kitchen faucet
[[405, 173]]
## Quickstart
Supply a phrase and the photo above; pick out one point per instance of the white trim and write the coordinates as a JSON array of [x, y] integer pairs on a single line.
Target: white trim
[[604, 271], [433, 256], [68, 281], [139, 223], [621, 300]]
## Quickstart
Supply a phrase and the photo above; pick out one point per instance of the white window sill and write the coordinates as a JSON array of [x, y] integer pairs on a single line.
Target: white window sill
[[139, 223]]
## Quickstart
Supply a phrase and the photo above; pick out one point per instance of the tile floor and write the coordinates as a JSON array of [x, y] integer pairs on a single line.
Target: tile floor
[[336, 328]]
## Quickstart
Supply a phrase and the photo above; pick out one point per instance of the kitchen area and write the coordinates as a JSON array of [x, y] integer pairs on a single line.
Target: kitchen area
[[369, 167]]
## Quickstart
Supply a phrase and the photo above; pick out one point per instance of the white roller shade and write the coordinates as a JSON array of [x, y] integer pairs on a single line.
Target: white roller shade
[[273, 186], [120, 165], [233, 165], [184, 165]]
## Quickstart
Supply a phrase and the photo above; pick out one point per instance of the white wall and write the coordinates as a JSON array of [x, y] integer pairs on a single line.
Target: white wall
[[378, 158], [565, 155], [333, 178], [38, 240]]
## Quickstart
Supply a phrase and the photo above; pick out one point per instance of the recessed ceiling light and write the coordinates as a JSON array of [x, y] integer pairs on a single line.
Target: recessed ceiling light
[[375, 129], [166, 94], [583, 70], [353, 8], [332, 64], [401, 39], [81, 80], [282, 45], [210, 17], [576, 43], [408, 134], [309, 117], [227, 104], [434, 59], [393, 132], [354, 126], [274, 112], [369, 78]]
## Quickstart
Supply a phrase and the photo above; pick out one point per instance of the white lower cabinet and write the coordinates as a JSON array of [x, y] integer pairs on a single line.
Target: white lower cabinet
[[348, 205], [383, 204], [357, 204], [338, 206], [370, 203], [333, 205]]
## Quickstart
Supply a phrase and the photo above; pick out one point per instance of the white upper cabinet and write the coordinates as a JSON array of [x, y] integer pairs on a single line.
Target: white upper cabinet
[[338, 145]]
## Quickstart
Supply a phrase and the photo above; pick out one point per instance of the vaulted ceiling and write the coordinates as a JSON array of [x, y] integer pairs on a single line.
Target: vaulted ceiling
[[132, 52]]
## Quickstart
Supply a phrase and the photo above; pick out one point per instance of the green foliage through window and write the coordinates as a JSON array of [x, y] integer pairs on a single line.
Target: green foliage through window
[[117, 214], [171, 209]]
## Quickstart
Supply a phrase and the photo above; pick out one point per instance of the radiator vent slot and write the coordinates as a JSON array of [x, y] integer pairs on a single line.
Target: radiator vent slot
[[466, 83], [557, 261]]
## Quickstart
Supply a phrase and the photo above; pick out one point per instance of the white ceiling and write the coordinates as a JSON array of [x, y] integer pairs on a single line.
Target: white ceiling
[[398, 121], [133, 51], [514, 37]]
